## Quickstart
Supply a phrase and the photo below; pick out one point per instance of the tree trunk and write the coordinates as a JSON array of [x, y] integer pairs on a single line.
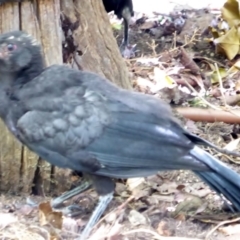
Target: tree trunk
[[77, 33]]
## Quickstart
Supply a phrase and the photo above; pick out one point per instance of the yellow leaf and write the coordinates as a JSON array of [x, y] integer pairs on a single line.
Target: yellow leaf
[[116, 26], [214, 76], [162, 79], [230, 12], [229, 43]]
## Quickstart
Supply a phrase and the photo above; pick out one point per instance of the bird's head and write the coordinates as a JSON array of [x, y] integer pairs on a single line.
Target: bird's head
[[19, 52]]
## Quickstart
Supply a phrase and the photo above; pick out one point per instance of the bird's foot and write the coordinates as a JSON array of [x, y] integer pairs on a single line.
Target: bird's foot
[[128, 51], [58, 202], [96, 215], [73, 210]]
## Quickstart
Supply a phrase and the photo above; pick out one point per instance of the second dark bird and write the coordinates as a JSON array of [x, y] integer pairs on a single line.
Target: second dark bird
[[79, 120], [123, 9]]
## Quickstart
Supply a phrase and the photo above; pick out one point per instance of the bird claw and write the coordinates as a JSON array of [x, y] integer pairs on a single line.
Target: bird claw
[[128, 51], [72, 210], [97, 213], [58, 202]]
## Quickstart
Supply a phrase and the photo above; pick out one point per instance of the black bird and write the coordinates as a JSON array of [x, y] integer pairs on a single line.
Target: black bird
[[79, 120], [123, 9]]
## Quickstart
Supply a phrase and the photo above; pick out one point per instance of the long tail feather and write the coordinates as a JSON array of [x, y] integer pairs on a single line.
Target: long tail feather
[[221, 178]]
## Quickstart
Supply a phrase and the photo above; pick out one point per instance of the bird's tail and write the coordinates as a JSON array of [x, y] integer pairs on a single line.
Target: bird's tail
[[221, 178]]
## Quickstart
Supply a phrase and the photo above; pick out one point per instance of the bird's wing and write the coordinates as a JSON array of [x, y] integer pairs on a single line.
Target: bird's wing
[[135, 145], [91, 125], [61, 116]]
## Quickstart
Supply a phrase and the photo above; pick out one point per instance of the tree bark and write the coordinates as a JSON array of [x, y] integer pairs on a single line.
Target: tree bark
[[76, 33], [96, 48]]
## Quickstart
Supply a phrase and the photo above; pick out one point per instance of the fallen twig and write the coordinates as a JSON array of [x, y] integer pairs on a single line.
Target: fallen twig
[[220, 224], [210, 115]]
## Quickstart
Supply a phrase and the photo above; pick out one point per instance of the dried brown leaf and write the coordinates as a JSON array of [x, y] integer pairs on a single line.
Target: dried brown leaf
[[163, 229], [188, 62], [48, 216]]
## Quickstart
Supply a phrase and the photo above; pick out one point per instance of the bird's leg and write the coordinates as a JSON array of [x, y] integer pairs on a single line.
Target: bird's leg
[[125, 40], [105, 188], [67, 195], [126, 50], [97, 213]]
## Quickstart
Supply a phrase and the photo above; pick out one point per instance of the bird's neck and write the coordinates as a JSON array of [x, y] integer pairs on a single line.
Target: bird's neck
[[30, 72], [6, 79]]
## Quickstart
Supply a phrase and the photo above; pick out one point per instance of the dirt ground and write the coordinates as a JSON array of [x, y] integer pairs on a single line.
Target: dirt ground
[[172, 205]]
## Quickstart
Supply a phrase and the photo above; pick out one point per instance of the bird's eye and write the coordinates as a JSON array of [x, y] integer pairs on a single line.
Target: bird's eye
[[10, 47]]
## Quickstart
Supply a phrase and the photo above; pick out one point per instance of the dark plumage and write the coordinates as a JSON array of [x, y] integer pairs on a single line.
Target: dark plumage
[[78, 120], [123, 9], [119, 7]]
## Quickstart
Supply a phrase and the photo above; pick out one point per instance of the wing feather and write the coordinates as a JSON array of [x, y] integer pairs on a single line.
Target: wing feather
[[88, 124]]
